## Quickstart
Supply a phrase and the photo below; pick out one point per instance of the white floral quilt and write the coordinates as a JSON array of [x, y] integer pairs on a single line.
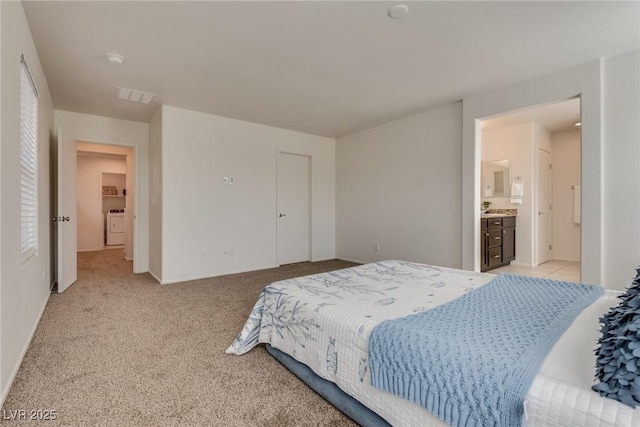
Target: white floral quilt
[[288, 312], [325, 320]]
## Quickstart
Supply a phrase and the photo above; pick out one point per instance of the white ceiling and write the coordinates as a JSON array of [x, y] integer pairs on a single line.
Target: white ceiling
[[326, 68], [557, 117]]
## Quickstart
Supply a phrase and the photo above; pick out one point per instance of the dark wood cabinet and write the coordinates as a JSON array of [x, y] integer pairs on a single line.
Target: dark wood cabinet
[[497, 242], [508, 239], [483, 245]]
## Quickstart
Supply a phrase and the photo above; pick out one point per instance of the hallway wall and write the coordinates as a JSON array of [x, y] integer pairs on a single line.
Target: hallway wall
[[24, 281], [566, 172]]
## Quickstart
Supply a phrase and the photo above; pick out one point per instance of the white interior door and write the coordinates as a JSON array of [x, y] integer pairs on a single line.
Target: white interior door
[[67, 224], [293, 208], [544, 206]]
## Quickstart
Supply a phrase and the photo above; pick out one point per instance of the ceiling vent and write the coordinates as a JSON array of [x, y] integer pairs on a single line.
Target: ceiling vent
[[134, 95]]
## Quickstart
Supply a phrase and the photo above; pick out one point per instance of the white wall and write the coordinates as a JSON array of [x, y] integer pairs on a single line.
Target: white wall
[[201, 214], [515, 143], [398, 184], [24, 285], [77, 127], [155, 195], [90, 200], [566, 172], [542, 138], [621, 158], [3, 384], [610, 247]]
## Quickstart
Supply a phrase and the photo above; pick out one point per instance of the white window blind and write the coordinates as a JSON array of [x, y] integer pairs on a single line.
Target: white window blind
[[28, 160]]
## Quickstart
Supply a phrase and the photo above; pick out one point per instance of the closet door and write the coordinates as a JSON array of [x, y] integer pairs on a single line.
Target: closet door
[[293, 208]]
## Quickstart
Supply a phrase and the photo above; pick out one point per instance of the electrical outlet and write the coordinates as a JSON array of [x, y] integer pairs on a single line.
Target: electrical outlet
[[376, 247], [44, 274], [230, 251], [204, 255]]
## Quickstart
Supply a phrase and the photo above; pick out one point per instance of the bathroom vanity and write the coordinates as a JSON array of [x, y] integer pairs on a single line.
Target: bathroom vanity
[[497, 240]]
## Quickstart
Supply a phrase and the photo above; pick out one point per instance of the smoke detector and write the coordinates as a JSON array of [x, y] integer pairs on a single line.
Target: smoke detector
[[134, 95], [398, 11], [114, 58]]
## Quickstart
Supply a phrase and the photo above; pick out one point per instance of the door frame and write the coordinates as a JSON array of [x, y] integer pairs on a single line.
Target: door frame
[[310, 190], [591, 271], [584, 81], [137, 194], [549, 218], [136, 198]]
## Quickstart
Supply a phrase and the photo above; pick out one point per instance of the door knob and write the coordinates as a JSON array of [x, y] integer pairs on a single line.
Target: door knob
[[281, 215]]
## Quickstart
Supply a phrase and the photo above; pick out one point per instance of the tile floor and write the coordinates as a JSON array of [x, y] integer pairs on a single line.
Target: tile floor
[[559, 270]]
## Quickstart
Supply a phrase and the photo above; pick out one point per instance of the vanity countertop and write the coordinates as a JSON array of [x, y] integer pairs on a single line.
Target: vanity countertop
[[498, 213]]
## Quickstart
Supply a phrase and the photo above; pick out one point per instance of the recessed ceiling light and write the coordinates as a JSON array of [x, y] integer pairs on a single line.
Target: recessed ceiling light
[[114, 58], [398, 11]]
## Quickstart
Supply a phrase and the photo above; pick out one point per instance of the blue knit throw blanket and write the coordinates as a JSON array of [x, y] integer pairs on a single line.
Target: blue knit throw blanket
[[472, 360]]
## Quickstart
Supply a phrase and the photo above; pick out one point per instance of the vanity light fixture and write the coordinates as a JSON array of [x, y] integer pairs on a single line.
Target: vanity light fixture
[[398, 11]]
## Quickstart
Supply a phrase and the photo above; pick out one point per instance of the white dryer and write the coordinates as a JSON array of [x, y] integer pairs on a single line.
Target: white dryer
[[115, 227]]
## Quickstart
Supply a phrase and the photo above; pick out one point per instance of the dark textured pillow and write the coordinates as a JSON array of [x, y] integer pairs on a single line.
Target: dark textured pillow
[[618, 354]]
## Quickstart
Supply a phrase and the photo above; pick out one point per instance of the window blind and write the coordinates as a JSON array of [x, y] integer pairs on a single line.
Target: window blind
[[28, 160]]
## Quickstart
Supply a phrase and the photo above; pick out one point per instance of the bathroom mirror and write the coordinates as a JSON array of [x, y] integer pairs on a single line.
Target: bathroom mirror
[[495, 178]]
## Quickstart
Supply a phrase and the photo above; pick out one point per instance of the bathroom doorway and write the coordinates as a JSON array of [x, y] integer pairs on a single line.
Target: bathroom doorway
[[542, 148]]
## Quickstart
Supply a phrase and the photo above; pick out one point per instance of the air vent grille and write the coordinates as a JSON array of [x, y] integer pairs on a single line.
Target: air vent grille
[[134, 95]]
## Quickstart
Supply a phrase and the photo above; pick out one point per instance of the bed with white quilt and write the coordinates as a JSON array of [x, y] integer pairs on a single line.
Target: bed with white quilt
[[431, 346]]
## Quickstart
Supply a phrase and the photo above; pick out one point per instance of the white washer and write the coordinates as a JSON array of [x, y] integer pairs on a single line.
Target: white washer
[[115, 227]]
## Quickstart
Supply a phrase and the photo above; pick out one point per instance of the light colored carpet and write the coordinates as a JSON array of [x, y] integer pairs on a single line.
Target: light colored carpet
[[118, 349]]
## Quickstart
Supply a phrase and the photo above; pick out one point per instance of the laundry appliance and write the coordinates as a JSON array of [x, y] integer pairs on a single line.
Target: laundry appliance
[[115, 227]]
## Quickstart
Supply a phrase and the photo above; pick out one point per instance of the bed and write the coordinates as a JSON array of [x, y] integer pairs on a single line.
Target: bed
[[320, 326]]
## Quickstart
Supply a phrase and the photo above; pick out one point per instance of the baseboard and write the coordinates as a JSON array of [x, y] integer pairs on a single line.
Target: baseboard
[[322, 259], [520, 264], [12, 378], [227, 273], [155, 277], [128, 259], [89, 250], [224, 273], [564, 259], [357, 261]]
